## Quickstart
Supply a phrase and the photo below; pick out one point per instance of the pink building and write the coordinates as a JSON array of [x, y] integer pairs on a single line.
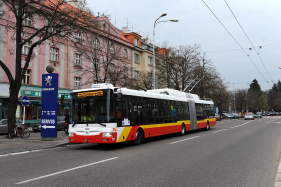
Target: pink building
[[68, 61]]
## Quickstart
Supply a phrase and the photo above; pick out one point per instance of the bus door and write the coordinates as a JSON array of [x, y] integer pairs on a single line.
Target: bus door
[[193, 116]]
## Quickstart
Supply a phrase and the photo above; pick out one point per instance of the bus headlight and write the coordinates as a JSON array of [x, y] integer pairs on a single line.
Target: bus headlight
[[107, 134], [70, 134]]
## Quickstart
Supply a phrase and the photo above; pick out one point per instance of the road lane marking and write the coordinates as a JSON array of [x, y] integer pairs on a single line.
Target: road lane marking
[[185, 139], [220, 130], [240, 125], [52, 174]]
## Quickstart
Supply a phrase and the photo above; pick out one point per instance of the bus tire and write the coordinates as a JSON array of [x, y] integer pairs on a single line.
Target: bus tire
[[182, 133], [208, 126], [139, 137]]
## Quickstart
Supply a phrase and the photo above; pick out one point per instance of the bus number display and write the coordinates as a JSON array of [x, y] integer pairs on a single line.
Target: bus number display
[[90, 94]]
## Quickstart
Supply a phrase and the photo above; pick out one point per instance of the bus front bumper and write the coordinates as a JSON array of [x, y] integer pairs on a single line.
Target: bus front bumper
[[92, 138]]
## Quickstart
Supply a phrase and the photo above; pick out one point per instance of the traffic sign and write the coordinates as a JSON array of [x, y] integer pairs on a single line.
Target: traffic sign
[[25, 100]]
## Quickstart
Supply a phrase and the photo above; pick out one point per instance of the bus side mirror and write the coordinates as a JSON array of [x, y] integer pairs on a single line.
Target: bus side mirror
[[119, 97]]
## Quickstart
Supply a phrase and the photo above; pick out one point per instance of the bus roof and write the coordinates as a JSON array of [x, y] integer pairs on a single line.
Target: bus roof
[[169, 94]]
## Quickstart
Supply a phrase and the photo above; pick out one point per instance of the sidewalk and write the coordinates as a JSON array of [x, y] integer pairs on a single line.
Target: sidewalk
[[33, 142]]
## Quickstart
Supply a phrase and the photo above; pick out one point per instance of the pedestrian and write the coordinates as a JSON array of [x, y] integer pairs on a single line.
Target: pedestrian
[[66, 123]]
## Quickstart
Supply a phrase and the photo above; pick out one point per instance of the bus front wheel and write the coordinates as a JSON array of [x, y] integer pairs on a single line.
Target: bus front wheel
[[139, 137]]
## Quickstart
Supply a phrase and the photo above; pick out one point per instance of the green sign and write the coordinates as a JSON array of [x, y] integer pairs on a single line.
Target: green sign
[[31, 93]]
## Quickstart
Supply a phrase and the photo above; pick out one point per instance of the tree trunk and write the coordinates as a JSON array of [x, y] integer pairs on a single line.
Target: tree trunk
[[13, 102]]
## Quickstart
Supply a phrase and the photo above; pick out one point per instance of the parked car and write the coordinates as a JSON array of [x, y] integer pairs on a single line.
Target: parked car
[[249, 116], [60, 124], [258, 115], [236, 116], [227, 116], [4, 125], [271, 114]]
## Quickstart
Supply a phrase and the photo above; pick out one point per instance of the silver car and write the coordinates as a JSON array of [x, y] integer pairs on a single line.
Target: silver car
[[4, 125], [249, 116]]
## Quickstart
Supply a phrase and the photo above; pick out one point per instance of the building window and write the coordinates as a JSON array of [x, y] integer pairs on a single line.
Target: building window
[[137, 75], [149, 60], [54, 54], [137, 58], [96, 63], [125, 53], [125, 71], [77, 82], [111, 67], [96, 44], [156, 62], [26, 78], [111, 49], [26, 47], [78, 37], [136, 41], [26, 20], [77, 59]]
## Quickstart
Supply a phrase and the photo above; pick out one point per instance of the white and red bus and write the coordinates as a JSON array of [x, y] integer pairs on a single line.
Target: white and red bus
[[107, 114]]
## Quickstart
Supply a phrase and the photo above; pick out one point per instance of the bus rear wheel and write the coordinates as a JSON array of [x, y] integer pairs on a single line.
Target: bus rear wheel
[[139, 137], [182, 133], [208, 126]]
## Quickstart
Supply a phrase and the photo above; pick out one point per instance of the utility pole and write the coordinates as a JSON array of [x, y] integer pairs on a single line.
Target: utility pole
[[234, 104]]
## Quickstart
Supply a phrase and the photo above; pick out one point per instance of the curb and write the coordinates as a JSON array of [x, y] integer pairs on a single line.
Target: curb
[[32, 149]]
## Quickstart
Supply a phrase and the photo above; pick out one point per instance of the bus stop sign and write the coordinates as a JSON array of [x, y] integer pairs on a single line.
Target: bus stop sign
[[25, 100]]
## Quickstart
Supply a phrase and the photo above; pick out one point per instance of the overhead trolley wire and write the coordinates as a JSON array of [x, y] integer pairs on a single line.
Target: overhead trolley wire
[[249, 40], [243, 48], [236, 41]]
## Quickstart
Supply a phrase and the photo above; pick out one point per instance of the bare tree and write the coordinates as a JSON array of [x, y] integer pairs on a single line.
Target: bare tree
[[58, 21], [108, 60], [176, 68]]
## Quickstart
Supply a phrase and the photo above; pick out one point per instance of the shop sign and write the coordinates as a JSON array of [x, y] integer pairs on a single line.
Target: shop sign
[[49, 107], [31, 93]]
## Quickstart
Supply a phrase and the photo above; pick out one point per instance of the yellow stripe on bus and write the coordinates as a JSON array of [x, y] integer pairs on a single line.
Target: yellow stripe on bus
[[165, 124], [124, 133]]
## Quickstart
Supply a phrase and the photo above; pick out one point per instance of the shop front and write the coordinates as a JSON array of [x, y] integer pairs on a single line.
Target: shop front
[[33, 110], [4, 100]]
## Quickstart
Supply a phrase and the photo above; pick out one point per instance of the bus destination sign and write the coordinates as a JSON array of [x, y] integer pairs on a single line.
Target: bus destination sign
[[90, 94]]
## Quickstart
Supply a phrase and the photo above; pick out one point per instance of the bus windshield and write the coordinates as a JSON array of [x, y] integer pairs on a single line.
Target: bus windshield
[[93, 107]]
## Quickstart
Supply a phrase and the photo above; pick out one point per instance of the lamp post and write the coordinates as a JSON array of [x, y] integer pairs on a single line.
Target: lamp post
[[247, 98], [155, 23]]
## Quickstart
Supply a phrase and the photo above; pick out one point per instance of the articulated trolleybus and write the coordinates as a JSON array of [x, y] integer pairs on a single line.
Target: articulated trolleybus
[[107, 114]]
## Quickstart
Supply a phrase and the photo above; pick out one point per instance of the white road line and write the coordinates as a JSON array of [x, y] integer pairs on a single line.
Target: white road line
[[220, 130], [45, 176], [185, 139], [239, 125]]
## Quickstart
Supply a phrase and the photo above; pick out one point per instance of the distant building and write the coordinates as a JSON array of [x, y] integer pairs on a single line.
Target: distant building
[[143, 56], [68, 62]]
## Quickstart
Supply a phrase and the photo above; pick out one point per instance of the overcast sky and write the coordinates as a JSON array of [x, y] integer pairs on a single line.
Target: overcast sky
[[260, 19]]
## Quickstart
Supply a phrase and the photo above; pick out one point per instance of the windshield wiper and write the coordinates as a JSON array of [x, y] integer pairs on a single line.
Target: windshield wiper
[[102, 124]]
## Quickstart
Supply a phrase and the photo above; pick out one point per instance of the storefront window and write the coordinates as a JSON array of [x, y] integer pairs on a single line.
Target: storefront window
[[39, 114], [60, 110], [66, 112], [30, 112]]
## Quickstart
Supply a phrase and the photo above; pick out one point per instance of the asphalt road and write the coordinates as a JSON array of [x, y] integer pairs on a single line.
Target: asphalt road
[[233, 153]]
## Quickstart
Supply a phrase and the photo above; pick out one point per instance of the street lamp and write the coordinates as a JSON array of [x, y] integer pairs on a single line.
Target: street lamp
[[247, 98], [155, 23]]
